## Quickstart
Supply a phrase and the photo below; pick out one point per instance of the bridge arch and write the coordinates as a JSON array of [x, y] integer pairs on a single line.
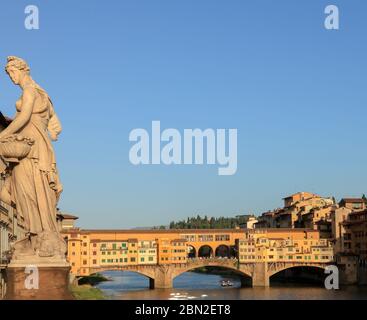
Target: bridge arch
[[309, 273], [205, 251], [191, 251], [229, 265], [283, 267], [150, 274], [222, 251]]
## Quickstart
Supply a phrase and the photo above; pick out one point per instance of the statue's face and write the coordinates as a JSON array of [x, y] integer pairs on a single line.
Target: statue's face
[[15, 75]]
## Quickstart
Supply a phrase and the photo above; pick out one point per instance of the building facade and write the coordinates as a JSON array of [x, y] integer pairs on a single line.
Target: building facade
[[11, 230], [292, 245], [301, 210]]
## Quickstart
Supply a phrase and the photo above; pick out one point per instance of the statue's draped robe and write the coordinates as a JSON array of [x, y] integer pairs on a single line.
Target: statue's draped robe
[[34, 183]]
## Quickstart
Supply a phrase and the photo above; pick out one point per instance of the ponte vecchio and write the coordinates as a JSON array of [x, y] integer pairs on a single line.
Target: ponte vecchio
[[162, 255]]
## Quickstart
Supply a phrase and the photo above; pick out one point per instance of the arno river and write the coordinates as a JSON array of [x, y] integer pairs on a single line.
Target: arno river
[[197, 286]]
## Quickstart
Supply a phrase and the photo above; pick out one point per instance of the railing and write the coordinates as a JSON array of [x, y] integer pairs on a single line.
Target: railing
[[211, 259]]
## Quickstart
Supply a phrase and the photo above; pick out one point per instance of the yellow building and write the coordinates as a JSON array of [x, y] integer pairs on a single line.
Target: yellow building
[[292, 245], [301, 210], [179, 251], [147, 252]]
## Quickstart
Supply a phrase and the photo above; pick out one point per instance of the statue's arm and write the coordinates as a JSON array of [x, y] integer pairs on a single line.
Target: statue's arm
[[23, 117], [54, 125]]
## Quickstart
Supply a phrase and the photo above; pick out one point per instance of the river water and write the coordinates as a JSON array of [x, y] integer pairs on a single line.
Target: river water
[[198, 286]]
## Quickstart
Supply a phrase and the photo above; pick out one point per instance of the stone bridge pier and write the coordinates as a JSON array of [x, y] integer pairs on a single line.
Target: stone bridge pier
[[260, 276], [163, 278]]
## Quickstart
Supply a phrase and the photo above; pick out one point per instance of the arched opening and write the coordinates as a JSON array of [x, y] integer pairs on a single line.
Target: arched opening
[[302, 275], [222, 251], [212, 277], [191, 252], [233, 252], [121, 281], [205, 252]]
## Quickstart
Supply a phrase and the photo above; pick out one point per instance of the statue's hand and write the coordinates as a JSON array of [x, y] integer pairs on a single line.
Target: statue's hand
[[53, 136]]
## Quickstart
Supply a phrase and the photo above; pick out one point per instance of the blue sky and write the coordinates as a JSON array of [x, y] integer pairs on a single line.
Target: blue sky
[[295, 91]]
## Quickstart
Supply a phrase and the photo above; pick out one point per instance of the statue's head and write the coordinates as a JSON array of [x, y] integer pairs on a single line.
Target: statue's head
[[17, 68]]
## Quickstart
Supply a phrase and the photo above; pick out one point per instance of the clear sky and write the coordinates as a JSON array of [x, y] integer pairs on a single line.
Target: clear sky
[[295, 91]]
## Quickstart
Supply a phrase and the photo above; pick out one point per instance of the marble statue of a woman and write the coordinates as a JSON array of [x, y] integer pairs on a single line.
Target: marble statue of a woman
[[32, 183]]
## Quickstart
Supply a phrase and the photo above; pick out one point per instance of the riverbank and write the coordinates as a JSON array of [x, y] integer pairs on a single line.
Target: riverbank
[[85, 289], [86, 292], [93, 279]]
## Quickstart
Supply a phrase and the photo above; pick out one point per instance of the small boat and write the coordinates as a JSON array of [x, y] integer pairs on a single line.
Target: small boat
[[226, 283]]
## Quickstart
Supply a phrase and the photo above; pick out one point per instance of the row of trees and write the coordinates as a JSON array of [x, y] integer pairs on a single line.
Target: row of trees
[[199, 222]]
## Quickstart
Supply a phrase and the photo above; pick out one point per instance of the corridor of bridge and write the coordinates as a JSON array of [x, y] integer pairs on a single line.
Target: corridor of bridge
[[207, 251]]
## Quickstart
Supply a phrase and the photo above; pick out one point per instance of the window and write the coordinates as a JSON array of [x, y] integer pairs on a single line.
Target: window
[[94, 261], [222, 237], [85, 262], [132, 259], [73, 244], [142, 259]]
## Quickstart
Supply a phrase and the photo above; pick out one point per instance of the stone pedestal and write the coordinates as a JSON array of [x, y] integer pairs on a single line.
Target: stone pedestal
[[53, 282]]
